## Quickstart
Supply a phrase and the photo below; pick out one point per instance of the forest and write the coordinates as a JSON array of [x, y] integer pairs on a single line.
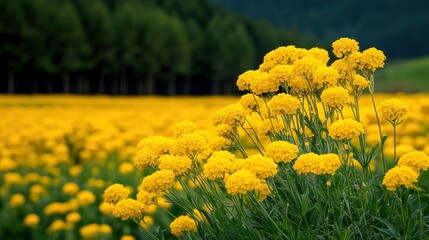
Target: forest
[[130, 47]]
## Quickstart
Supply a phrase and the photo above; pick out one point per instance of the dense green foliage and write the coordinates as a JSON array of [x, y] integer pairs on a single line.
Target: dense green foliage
[[119, 46], [395, 26]]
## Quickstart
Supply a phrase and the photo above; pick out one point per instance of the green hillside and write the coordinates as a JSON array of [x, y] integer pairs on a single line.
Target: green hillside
[[407, 76]]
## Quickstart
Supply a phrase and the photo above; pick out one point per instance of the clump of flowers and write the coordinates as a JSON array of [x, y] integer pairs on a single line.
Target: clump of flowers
[[289, 159]]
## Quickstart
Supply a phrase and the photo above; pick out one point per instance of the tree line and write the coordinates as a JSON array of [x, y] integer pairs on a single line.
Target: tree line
[[129, 46]]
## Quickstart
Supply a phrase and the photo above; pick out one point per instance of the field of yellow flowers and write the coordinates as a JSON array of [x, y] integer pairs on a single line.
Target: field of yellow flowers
[[59, 153]]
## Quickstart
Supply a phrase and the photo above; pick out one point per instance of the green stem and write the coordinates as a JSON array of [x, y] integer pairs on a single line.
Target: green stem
[[394, 144], [420, 214], [379, 129]]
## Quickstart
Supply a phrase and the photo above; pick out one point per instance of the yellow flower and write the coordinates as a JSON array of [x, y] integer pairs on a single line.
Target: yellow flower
[[281, 151], [184, 127], [158, 182], [306, 163], [263, 83], [251, 102], [319, 54], [400, 176], [281, 74], [262, 167], [372, 59], [345, 129], [335, 97], [85, 197], [16, 200], [359, 82], [231, 115], [70, 188], [219, 164], [106, 208], [282, 55], [89, 231], [56, 226], [129, 208], [394, 110], [127, 237], [126, 168], [105, 229], [31, 220], [283, 104], [12, 178], [306, 66], [416, 160], [183, 224], [190, 144], [73, 217], [178, 164], [145, 197], [241, 182], [328, 164], [244, 80], [146, 222], [344, 46], [325, 76]]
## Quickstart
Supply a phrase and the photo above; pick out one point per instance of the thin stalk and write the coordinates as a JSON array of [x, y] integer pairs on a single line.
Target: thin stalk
[[379, 131], [420, 215], [394, 143]]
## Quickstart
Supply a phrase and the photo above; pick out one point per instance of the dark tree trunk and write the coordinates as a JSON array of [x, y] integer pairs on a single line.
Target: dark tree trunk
[[171, 89], [49, 86], [66, 83], [122, 84], [228, 87], [35, 85], [187, 87], [215, 89], [150, 84], [139, 86], [11, 82], [101, 86], [80, 85]]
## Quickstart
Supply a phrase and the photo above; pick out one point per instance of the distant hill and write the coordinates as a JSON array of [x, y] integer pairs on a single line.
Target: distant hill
[[399, 28], [411, 75]]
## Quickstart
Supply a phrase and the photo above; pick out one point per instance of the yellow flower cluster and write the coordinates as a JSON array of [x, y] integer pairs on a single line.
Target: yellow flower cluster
[[219, 164], [345, 129], [282, 151], [184, 127], [183, 224], [344, 47], [231, 115], [317, 164], [158, 182], [261, 166], [115, 193], [416, 160], [400, 176], [94, 230], [283, 104], [335, 97], [129, 208], [178, 164], [241, 182], [394, 110]]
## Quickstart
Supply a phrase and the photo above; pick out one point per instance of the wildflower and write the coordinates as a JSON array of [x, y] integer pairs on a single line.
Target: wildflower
[[183, 224], [328, 163], [281, 151], [126, 168], [244, 80], [241, 182], [145, 197], [17, 200], [344, 46], [306, 163], [12, 178], [105, 229], [70, 188], [31, 220], [127, 237], [319, 54], [146, 222], [416, 160], [325, 76], [56, 226], [73, 217], [231, 115], [328, 183], [262, 167], [159, 181], [270, 126], [178, 164], [400, 176], [335, 97], [218, 165], [281, 74], [251, 102], [106, 208], [283, 104], [263, 83], [115, 193], [184, 127], [394, 110], [345, 129], [282, 55], [306, 66], [372, 59], [262, 190], [85, 197], [89, 231], [128, 208], [359, 82]]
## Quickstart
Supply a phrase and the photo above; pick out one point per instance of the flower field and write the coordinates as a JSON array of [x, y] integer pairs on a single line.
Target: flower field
[[311, 152]]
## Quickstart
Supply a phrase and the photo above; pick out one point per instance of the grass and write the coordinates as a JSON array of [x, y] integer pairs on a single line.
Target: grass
[[410, 75]]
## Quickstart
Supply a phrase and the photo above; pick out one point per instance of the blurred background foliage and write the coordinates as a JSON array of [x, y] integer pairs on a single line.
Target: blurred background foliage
[[186, 47]]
